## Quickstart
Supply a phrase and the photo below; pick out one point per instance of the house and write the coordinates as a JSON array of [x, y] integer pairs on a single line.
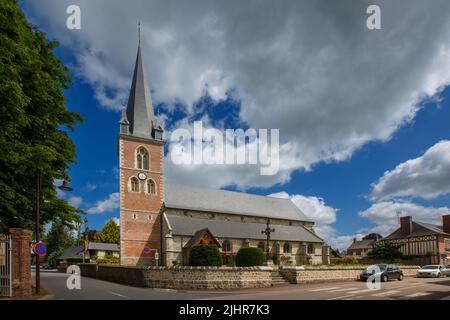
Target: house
[[422, 239], [360, 248], [95, 250]]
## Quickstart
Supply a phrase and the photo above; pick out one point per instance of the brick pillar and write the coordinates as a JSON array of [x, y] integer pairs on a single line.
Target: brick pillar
[[21, 261], [446, 223], [406, 225]]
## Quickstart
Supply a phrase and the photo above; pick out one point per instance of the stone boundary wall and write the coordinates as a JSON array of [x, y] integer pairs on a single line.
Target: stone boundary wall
[[179, 277], [328, 274]]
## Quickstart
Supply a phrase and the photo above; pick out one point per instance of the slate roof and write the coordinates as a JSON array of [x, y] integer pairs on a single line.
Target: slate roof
[[103, 246], [418, 229], [239, 230], [222, 201], [139, 111], [72, 252], [361, 244]]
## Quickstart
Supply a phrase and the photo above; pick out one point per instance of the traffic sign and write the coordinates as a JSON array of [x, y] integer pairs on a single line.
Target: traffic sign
[[147, 250], [40, 248]]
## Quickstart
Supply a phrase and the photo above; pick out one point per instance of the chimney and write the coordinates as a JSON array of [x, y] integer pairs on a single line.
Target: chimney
[[354, 240], [406, 225], [446, 223]]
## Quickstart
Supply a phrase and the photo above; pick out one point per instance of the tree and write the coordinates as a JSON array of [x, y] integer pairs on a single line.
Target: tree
[[34, 121], [59, 237], [109, 234], [385, 251]]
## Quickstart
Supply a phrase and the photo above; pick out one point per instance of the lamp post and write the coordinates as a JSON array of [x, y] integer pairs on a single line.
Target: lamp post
[[38, 202], [267, 232]]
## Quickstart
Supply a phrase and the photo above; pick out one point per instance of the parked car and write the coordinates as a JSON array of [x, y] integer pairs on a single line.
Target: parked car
[[384, 272], [47, 266], [433, 271]]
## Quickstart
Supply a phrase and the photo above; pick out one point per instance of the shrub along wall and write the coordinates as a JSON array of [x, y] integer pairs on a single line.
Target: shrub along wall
[[179, 277]]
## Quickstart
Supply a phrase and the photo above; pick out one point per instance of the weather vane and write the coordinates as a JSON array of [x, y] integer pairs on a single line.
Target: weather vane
[[139, 32]]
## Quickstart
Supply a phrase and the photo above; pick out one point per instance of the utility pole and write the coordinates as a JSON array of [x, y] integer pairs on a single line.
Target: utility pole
[[38, 213]]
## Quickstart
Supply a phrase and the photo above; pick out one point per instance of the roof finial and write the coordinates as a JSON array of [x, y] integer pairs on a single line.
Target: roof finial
[[139, 32]]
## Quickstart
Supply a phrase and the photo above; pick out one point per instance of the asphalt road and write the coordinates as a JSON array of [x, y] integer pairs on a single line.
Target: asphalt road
[[409, 288]]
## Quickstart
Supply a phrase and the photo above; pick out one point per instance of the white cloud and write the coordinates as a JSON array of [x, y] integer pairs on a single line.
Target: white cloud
[[313, 207], [311, 69], [91, 186], [75, 201], [116, 220], [384, 215], [427, 176], [323, 215], [106, 205]]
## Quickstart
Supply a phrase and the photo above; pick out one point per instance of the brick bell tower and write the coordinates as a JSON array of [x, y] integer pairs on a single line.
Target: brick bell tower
[[141, 154]]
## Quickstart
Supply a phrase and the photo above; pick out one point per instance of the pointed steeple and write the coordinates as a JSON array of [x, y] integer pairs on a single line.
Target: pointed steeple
[[139, 111]]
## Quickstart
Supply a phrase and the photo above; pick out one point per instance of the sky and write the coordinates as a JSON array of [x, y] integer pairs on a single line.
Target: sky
[[362, 114]]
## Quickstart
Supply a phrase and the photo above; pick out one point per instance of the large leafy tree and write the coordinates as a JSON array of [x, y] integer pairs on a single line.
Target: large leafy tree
[[59, 237], [109, 234], [33, 122], [385, 251]]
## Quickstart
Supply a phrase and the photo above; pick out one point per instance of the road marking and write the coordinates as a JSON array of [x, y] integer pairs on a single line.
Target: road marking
[[362, 291], [341, 297], [118, 294], [417, 294], [343, 289], [446, 298], [385, 293], [324, 289]]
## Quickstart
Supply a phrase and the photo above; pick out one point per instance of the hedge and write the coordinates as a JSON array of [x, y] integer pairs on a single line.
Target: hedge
[[249, 257], [205, 255]]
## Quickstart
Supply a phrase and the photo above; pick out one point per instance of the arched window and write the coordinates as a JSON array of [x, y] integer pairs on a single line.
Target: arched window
[[262, 246], [142, 159], [226, 246], [286, 248], [134, 184], [310, 248], [151, 186]]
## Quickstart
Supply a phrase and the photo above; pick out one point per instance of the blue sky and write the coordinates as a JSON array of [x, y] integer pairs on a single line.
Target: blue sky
[[337, 160]]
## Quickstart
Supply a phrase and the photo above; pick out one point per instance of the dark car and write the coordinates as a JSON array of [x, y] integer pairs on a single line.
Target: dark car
[[384, 272]]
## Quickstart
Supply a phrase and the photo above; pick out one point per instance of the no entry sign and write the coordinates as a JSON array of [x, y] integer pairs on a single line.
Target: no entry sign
[[40, 248]]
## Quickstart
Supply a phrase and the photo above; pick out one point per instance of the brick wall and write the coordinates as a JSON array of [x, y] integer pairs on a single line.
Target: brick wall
[[140, 222], [187, 278], [21, 261]]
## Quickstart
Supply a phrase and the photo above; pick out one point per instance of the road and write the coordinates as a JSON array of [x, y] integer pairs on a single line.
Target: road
[[409, 288]]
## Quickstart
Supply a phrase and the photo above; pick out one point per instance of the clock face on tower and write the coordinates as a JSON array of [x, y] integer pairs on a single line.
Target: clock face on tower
[[142, 176]]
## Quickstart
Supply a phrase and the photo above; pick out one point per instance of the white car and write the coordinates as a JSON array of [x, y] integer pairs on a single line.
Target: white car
[[433, 270]]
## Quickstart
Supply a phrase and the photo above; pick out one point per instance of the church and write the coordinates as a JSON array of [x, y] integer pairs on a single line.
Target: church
[[160, 222]]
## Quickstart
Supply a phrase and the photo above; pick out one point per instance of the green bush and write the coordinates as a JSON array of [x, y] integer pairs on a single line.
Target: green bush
[[248, 257], [52, 257], [108, 260], [205, 255], [344, 260]]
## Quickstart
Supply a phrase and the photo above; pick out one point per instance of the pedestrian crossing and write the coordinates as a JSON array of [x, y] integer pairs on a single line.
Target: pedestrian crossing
[[350, 293]]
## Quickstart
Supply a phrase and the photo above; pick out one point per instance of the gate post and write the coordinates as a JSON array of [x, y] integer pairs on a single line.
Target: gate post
[[21, 261]]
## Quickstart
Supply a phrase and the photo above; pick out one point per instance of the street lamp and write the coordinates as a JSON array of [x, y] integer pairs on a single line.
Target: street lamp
[[267, 232]]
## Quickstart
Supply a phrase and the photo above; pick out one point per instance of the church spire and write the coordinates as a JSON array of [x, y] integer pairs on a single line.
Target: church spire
[[139, 111]]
